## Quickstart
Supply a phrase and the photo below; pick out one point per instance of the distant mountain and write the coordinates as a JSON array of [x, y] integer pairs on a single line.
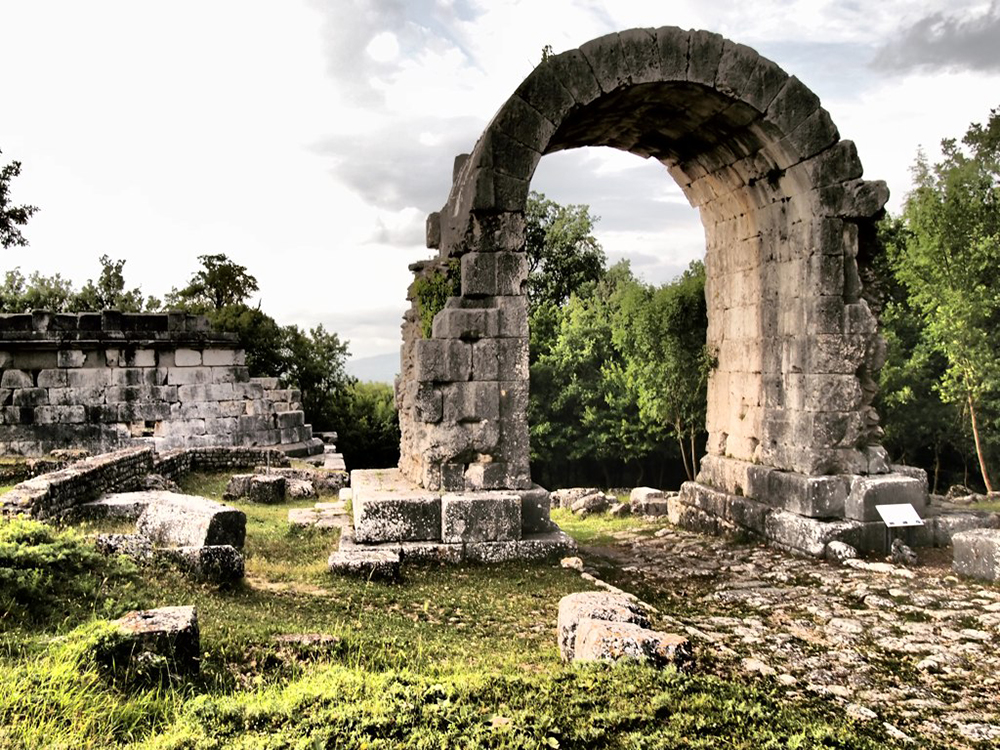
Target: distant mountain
[[382, 368]]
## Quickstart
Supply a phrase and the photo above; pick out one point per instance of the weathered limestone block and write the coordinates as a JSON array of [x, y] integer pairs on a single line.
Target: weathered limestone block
[[134, 546], [597, 502], [187, 357], [70, 358], [390, 508], [530, 547], [190, 521], [457, 323], [16, 379], [220, 564], [117, 506], [947, 525], [593, 605], [647, 501], [607, 59], [266, 489], [368, 563], [480, 517], [814, 497], [443, 360], [601, 640], [885, 489], [237, 487], [977, 554], [471, 402], [565, 498], [804, 535], [168, 632]]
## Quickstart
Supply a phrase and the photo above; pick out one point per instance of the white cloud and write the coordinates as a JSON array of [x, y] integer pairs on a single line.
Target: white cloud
[[307, 140]]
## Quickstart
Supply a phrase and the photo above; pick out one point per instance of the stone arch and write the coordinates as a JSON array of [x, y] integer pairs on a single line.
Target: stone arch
[[787, 221]]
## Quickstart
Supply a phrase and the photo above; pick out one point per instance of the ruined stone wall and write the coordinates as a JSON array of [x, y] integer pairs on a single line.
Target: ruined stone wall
[[101, 381], [50, 495], [787, 218]]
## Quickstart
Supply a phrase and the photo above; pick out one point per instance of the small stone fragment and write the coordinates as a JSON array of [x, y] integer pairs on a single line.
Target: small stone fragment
[[901, 554], [604, 640], [573, 563], [839, 552], [169, 633]]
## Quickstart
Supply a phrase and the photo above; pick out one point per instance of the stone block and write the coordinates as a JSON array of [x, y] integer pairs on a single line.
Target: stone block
[[647, 501], [392, 517], [486, 359], [472, 401], [16, 379], [543, 91], [90, 377], [134, 546], [219, 564], [480, 517], [433, 552], [30, 397], [946, 525], [443, 360], [469, 324], [494, 475], [977, 554], [607, 60], [219, 357], [187, 357], [52, 379], [70, 358], [576, 76], [535, 510], [808, 536], [593, 605], [191, 375], [126, 506], [266, 489], [642, 55], [169, 633], [601, 640], [814, 497], [885, 489], [190, 521], [382, 564]]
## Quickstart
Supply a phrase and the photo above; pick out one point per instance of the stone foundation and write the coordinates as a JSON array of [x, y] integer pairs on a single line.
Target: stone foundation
[[396, 518]]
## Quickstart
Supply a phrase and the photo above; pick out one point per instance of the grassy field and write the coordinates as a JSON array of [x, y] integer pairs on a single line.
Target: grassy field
[[294, 657]]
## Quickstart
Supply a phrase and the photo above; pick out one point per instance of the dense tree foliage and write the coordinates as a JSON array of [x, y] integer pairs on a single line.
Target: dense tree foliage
[[219, 283], [618, 367], [367, 424], [943, 325], [563, 254], [39, 292], [12, 215]]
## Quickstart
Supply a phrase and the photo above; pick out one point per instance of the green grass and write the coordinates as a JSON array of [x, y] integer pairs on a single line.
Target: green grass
[[461, 656], [600, 529]]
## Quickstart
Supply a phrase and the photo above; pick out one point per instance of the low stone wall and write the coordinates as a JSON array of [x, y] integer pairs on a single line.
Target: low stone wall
[[101, 381], [50, 495], [177, 463]]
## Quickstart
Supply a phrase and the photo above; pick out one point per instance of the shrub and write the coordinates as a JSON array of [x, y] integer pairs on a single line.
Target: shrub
[[45, 572]]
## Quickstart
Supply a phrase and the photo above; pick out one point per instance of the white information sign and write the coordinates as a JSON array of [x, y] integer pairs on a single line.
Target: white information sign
[[899, 515]]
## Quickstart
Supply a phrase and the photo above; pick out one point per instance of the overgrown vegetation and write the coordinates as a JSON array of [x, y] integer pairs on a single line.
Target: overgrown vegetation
[[47, 575], [432, 289]]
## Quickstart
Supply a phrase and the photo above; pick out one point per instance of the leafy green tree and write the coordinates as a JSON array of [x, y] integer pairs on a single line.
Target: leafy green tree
[[367, 425], [260, 336], [109, 293], [661, 334], [37, 292], [12, 216], [563, 253], [315, 364], [949, 266], [220, 282]]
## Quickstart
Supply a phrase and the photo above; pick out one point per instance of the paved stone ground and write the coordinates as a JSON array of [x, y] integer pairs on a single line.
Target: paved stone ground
[[914, 648]]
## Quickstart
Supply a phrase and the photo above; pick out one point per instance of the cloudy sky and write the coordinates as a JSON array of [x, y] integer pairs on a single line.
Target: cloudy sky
[[308, 139]]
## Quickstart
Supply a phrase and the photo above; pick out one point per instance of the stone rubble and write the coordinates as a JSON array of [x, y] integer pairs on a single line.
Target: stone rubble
[[914, 648]]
